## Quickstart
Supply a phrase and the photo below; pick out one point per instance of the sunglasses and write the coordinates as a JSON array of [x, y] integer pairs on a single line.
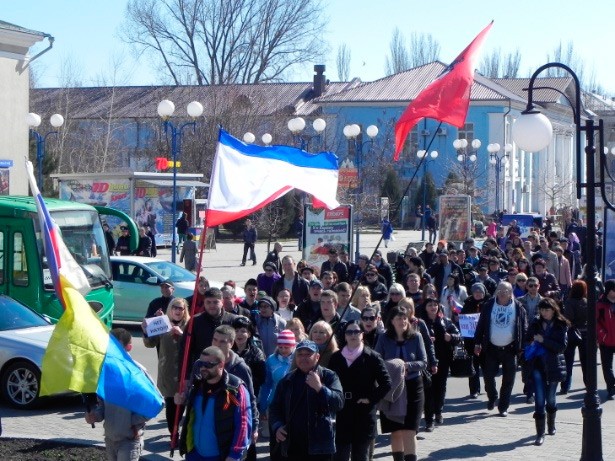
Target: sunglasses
[[206, 364], [179, 308], [395, 294], [369, 318], [353, 332], [531, 285]]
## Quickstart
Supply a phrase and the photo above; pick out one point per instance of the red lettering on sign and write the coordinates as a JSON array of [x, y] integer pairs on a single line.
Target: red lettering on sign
[[100, 187]]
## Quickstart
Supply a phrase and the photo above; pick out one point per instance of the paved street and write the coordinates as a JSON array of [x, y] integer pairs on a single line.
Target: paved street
[[469, 432]]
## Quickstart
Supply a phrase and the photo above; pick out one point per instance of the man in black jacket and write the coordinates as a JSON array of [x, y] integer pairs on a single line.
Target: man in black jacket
[[499, 336], [441, 269], [292, 281], [334, 264], [384, 268]]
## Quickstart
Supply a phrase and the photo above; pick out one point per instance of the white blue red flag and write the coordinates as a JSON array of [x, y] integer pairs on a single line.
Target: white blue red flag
[[247, 177]]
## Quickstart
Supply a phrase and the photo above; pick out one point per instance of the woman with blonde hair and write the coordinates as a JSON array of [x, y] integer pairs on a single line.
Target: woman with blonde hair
[[361, 298], [168, 354], [322, 334], [296, 326]]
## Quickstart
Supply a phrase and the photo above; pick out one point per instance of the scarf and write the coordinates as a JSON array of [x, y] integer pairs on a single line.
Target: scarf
[[352, 354]]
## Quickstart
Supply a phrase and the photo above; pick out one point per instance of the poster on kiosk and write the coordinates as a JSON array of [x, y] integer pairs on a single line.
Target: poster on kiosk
[[326, 229]]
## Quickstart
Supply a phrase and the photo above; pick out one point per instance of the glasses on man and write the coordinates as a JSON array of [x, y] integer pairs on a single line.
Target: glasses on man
[[532, 285], [206, 364], [368, 318]]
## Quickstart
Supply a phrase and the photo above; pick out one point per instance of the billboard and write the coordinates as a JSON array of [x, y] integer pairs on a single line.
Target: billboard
[[325, 229], [455, 218]]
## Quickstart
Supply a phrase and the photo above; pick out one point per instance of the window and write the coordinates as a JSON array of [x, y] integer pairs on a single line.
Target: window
[[467, 132], [20, 262]]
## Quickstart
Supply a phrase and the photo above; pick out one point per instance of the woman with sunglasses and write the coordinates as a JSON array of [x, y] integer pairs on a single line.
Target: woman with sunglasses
[[168, 354], [402, 341], [365, 381], [519, 287], [444, 335], [544, 354], [370, 319]]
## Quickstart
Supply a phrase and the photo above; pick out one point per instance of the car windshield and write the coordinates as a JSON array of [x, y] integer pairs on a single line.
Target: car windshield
[[170, 271], [14, 315]]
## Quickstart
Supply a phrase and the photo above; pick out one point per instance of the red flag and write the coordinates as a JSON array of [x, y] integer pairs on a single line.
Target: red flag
[[447, 98]]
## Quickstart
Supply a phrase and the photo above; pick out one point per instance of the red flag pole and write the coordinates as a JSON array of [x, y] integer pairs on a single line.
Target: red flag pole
[[188, 333]]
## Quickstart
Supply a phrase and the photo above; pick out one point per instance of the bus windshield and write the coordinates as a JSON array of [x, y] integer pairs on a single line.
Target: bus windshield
[[84, 237]]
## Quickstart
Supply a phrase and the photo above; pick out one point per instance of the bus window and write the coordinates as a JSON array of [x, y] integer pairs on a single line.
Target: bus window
[[20, 263]]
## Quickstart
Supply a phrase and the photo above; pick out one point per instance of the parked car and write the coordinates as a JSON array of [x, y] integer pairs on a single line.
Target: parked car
[[137, 279], [24, 336]]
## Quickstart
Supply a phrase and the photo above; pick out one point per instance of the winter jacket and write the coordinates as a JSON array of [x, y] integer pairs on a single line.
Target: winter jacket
[[552, 363], [268, 329], [605, 322], [276, 368], [437, 328], [254, 357], [366, 378], [321, 409], [411, 351], [298, 292]]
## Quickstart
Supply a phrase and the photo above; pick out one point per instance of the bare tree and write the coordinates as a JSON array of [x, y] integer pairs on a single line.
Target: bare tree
[[498, 65], [399, 59], [558, 191], [343, 63], [226, 41], [566, 55], [424, 48]]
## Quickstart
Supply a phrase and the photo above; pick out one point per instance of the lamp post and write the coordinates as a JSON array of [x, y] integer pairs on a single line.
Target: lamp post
[[533, 132], [421, 154], [352, 133], [497, 161], [165, 110], [34, 120], [297, 125], [466, 157]]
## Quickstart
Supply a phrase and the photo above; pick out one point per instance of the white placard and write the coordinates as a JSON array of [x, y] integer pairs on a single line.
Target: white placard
[[157, 325], [467, 324]]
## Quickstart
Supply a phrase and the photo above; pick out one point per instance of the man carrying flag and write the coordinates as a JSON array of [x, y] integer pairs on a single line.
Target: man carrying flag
[[447, 98]]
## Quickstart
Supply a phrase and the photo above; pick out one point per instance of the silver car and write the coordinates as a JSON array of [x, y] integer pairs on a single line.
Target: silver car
[[137, 279], [24, 335]]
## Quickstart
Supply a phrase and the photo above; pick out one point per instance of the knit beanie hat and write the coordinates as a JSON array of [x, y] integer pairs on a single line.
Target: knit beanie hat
[[286, 338], [479, 287]]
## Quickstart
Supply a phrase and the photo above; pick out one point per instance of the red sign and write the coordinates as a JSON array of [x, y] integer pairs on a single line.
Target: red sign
[[338, 213]]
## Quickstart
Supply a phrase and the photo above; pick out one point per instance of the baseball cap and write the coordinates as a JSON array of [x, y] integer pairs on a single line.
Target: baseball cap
[[307, 344], [316, 283], [168, 283]]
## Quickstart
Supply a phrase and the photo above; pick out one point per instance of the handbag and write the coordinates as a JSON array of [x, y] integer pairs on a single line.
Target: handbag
[[462, 365]]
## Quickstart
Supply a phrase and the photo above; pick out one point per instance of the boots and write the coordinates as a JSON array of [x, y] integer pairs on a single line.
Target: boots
[[551, 421], [540, 429], [398, 455], [409, 457]]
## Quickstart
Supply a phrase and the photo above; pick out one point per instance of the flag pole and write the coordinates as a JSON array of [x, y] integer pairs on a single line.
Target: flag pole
[[188, 333], [401, 200]]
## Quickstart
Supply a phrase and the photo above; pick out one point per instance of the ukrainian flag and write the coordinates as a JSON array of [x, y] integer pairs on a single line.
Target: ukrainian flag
[[81, 355]]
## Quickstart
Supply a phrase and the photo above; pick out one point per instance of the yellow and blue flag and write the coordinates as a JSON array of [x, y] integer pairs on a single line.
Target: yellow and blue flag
[[81, 355]]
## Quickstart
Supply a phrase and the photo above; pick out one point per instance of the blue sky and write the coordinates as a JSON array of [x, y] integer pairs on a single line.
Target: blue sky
[[87, 34]]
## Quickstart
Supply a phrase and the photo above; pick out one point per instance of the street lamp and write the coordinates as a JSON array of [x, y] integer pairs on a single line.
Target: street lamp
[[421, 154], [352, 133], [533, 132], [497, 161], [165, 110], [34, 120], [466, 157], [297, 125]]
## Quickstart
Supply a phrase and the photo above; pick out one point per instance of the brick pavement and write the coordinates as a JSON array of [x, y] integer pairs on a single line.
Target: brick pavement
[[469, 431]]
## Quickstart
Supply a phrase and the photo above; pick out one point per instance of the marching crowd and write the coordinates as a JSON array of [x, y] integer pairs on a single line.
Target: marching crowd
[[313, 356]]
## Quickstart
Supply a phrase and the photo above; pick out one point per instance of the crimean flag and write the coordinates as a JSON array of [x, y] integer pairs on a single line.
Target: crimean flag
[[447, 98], [81, 355], [247, 177]]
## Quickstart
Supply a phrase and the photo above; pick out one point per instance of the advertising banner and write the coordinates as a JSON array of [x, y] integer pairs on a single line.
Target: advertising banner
[[455, 218], [326, 229], [608, 243]]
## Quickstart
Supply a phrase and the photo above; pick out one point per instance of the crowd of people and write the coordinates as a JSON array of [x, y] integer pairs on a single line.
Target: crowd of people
[[313, 356]]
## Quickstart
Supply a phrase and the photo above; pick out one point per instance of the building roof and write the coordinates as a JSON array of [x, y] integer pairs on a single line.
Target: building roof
[[405, 86], [15, 41], [542, 96], [142, 101]]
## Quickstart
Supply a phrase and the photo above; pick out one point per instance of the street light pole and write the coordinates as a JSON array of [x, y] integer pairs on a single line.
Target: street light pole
[[532, 133], [497, 161], [464, 155], [165, 110], [421, 154], [34, 120], [352, 133]]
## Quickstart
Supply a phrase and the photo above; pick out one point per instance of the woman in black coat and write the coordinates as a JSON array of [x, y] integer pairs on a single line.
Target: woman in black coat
[[365, 381], [444, 335], [544, 359]]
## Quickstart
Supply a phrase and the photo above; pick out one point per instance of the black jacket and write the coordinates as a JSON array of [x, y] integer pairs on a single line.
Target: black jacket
[[437, 328], [483, 329], [299, 290], [366, 378], [552, 363], [339, 268]]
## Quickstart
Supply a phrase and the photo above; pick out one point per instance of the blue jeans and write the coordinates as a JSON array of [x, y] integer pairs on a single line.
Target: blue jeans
[[545, 393]]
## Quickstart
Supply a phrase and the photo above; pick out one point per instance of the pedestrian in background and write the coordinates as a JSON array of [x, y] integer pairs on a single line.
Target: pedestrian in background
[[182, 228], [249, 241], [189, 252], [387, 232]]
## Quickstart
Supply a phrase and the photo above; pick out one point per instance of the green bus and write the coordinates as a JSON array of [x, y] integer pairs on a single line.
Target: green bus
[[24, 274]]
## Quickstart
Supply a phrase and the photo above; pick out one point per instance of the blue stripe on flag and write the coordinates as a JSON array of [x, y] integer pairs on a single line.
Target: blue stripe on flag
[[292, 155]]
